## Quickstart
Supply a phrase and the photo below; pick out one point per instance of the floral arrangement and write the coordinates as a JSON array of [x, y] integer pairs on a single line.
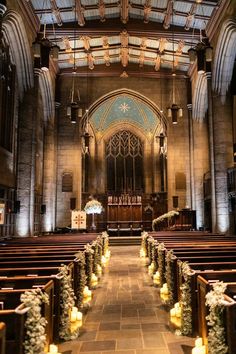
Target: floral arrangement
[[150, 241], [161, 218], [161, 262], [82, 279], [186, 299], [35, 338], [67, 301], [216, 333], [93, 207], [105, 242], [144, 245], [89, 255], [155, 255], [97, 249], [170, 259]]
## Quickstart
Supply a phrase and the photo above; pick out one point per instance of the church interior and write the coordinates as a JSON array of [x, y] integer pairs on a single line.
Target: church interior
[[117, 176]]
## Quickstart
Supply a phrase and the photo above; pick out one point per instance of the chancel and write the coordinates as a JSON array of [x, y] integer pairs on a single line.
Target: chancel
[[117, 176]]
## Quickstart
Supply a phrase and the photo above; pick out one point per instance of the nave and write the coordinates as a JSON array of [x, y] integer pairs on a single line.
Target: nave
[[126, 314]]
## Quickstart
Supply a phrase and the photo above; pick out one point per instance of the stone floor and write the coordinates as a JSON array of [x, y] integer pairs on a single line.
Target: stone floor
[[126, 314]]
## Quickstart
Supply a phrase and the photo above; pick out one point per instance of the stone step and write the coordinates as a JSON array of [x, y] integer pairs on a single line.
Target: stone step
[[124, 240]]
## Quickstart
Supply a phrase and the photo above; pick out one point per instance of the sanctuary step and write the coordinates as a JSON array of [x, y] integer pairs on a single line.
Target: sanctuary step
[[124, 240]]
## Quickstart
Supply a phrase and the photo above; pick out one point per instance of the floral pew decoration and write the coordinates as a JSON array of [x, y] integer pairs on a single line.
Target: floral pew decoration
[[106, 253], [216, 302], [143, 253], [164, 217], [169, 274], [69, 323], [35, 324], [186, 319]]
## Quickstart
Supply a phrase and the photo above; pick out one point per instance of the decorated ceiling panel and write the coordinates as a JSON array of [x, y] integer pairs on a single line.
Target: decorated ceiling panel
[[124, 108], [144, 27]]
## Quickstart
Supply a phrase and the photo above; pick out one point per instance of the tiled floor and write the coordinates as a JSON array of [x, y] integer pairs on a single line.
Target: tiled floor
[[126, 315]]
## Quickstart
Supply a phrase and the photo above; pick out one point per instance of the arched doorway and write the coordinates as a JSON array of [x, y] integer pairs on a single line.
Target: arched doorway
[[124, 160]]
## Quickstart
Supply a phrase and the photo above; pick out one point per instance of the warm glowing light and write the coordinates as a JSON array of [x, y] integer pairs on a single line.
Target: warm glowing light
[[94, 280], [53, 349]]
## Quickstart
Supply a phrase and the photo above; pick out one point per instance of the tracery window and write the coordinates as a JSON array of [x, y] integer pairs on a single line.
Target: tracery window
[[124, 155]]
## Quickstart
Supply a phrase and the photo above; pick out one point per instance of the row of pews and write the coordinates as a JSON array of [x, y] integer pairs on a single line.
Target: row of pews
[[55, 272], [187, 266]]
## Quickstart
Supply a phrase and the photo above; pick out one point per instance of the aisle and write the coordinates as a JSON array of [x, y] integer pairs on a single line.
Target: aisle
[[126, 315]]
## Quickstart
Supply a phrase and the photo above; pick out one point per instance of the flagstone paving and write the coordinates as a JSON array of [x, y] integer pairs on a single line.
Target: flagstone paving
[[126, 314]]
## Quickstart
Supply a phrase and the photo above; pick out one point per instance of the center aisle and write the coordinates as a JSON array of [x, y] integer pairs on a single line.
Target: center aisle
[[126, 314]]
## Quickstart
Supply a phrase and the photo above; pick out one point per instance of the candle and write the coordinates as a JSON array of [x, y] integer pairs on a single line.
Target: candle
[[79, 316], [99, 270], [199, 350], [73, 315], [142, 253], [104, 261], [165, 286], [53, 349], [173, 312], [177, 305], [178, 312], [198, 342]]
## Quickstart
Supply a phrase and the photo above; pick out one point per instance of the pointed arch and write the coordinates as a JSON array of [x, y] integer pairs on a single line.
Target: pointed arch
[[137, 98], [200, 101], [46, 89], [15, 35], [225, 55]]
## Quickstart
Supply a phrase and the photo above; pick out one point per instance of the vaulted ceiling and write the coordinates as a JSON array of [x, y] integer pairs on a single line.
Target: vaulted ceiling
[[124, 37]]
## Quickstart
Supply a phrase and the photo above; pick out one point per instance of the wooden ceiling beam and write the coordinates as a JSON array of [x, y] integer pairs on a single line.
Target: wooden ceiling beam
[[124, 10], [80, 12], [116, 69], [113, 27]]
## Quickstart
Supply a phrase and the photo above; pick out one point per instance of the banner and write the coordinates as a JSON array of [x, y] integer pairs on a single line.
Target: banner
[[78, 219], [2, 213]]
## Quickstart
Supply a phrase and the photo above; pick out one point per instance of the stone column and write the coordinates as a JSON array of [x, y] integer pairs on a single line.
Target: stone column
[[223, 152], [49, 173], [26, 163], [191, 158], [211, 132]]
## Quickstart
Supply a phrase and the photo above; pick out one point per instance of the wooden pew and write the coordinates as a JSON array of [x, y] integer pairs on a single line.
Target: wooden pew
[[204, 285], [2, 337], [14, 318]]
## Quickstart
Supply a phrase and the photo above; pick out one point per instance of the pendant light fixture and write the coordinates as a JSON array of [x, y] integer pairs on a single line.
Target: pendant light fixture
[[174, 112]]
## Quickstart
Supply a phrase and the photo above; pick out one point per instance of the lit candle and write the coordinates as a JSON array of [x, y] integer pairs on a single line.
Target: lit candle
[[73, 315], [79, 316], [173, 312], [53, 349], [177, 305], [199, 350], [198, 342], [178, 312]]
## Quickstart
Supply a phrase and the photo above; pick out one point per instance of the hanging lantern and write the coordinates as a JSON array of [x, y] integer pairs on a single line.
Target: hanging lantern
[[201, 61], [36, 46], [208, 53], [74, 112], [54, 52], [162, 139], [192, 55]]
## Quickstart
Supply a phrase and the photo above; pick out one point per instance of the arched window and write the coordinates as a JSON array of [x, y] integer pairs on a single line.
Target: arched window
[[124, 155]]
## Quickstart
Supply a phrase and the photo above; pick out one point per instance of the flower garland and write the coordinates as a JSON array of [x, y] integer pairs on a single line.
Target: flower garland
[[186, 299], [144, 243], [216, 333], [81, 278], [93, 207], [161, 262], [149, 249], [161, 218], [170, 261], [35, 337], [67, 301], [155, 255], [89, 255], [105, 242], [95, 247]]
